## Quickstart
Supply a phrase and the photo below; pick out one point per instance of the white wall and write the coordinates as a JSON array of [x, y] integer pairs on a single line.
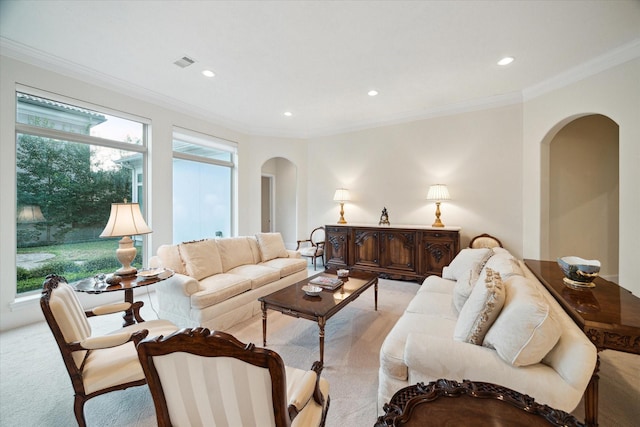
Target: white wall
[[614, 93], [477, 154]]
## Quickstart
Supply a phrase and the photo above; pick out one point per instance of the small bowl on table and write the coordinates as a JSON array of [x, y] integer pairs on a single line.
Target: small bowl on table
[[312, 291], [343, 273], [579, 273]]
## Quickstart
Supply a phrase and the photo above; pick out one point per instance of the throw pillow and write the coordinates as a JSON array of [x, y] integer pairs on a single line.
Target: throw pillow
[[526, 329], [481, 309], [464, 261], [271, 246], [201, 258], [170, 257], [463, 287], [505, 264]]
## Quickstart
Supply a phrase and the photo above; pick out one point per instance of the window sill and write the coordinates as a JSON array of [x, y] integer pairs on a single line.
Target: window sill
[[22, 302]]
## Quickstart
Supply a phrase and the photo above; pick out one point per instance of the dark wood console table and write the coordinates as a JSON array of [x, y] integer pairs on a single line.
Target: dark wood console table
[[450, 403], [608, 314], [397, 252]]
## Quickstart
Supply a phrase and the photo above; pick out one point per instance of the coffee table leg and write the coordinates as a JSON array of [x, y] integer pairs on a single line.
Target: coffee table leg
[[321, 322], [375, 293], [264, 324]]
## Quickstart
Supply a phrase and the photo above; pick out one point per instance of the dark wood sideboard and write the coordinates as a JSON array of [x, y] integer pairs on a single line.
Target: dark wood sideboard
[[402, 252]]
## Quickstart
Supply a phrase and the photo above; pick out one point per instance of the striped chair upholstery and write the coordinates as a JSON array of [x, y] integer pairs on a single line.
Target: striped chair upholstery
[[200, 378]]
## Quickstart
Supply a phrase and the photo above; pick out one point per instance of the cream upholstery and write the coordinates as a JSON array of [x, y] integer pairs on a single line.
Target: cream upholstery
[[223, 279], [199, 378], [313, 247], [97, 364], [421, 345]]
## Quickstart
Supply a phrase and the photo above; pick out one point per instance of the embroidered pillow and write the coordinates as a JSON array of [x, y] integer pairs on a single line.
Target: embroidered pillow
[[463, 287], [271, 246], [481, 309]]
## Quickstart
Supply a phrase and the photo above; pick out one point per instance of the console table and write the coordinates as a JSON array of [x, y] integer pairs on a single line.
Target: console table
[[608, 314], [397, 252]]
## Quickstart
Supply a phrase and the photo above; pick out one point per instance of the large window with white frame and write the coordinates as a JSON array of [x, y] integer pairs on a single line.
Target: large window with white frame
[[203, 183], [72, 161]]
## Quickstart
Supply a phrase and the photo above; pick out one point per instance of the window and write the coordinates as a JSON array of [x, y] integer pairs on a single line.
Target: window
[[72, 162], [203, 182]]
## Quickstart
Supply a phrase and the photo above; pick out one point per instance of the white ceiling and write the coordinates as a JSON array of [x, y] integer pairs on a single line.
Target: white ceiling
[[318, 59]]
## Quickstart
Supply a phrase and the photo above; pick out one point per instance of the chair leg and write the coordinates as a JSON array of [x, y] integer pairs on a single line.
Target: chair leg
[[314, 263], [78, 409]]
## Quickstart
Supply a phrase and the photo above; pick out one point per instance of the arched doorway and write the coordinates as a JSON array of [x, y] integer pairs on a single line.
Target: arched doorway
[[580, 170], [279, 199]]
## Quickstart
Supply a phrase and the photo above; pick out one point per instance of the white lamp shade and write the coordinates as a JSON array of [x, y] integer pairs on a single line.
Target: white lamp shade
[[438, 192], [30, 213], [341, 195], [125, 220]]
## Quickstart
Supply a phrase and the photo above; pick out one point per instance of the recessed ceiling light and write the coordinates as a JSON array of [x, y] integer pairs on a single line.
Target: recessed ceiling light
[[372, 92], [288, 113], [208, 73], [506, 60]]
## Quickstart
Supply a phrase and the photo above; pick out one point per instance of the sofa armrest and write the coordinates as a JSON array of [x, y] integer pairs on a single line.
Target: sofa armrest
[[179, 285], [293, 254]]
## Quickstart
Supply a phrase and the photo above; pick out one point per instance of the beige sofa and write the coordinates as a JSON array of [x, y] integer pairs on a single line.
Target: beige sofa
[[218, 281], [488, 319]]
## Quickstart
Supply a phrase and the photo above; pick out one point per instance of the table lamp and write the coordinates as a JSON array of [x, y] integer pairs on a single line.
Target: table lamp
[[341, 195], [125, 220], [437, 193]]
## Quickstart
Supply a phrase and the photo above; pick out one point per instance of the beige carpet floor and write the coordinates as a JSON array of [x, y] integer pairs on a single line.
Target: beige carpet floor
[[35, 389]]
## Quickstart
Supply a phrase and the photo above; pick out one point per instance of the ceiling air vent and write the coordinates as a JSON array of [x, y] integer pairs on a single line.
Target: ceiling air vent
[[184, 62]]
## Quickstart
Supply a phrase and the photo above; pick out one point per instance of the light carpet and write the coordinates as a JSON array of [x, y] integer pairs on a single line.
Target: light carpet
[[35, 389]]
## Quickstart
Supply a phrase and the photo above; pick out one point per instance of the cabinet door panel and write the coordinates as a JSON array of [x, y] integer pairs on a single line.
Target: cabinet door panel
[[336, 247], [367, 248], [398, 250]]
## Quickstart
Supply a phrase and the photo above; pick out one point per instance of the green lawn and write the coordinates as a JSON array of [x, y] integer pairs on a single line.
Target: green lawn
[[74, 261]]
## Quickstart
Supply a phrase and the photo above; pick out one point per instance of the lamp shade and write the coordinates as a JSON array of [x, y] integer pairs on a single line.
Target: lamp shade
[[125, 220], [341, 195], [30, 213], [438, 192]]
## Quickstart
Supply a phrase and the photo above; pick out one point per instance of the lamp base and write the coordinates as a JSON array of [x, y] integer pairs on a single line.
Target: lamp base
[[342, 220], [437, 223], [126, 253]]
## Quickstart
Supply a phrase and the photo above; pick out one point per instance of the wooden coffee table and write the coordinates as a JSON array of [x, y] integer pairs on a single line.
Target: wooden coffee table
[[450, 403], [292, 300]]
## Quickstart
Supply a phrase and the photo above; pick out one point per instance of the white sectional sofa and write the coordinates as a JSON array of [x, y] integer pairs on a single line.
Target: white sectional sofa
[[218, 281], [488, 319]]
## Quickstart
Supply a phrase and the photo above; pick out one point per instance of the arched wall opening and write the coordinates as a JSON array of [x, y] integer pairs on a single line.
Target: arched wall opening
[[279, 199], [580, 191]]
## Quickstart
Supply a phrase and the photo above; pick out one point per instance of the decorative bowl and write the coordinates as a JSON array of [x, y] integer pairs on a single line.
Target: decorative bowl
[[312, 291], [343, 273], [579, 272], [149, 273]]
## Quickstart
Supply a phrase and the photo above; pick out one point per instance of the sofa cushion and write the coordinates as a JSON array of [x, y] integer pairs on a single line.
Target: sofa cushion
[[481, 309], [464, 261], [234, 251], [259, 275], [436, 284], [526, 329], [170, 257], [287, 266], [432, 303], [218, 288], [271, 246], [201, 258]]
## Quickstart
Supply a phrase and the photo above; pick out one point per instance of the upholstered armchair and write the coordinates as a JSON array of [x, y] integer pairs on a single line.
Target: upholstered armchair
[[313, 247], [199, 377], [96, 364]]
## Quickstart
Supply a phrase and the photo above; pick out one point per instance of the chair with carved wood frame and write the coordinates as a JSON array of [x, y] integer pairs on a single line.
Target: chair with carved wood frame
[[485, 241], [199, 377], [100, 364], [313, 247]]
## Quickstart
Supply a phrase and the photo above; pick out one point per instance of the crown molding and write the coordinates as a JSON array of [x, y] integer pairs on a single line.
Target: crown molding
[[613, 58]]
